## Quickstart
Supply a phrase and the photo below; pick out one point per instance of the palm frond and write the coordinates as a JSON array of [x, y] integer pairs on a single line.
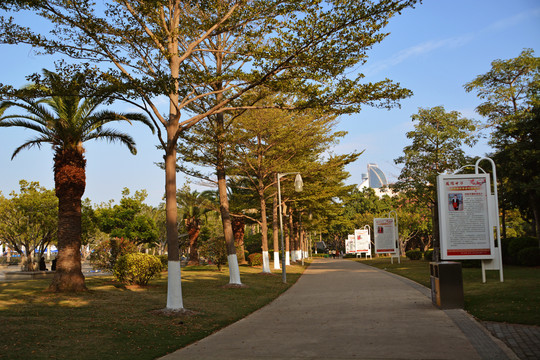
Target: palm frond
[[31, 143], [19, 121], [112, 136]]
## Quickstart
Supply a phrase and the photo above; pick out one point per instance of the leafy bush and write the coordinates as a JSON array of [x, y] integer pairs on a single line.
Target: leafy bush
[[137, 268], [214, 249], [529, 256], [517, 244], [512, 246], [471, 263], [415, 254], [164, 261], [252, 243], [255, 259], [428, 255], [107, 252]]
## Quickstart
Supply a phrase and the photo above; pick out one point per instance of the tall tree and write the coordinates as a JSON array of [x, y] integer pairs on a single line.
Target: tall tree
[[511, 94], [28, 221], [66, 120], [267, 142], [437, 141], [217, 50]]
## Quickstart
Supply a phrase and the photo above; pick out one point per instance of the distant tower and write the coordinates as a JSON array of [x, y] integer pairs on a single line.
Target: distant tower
[[376, 177]]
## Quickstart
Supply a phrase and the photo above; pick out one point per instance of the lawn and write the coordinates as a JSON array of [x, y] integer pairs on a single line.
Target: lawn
[[516, 300], [111, 321]]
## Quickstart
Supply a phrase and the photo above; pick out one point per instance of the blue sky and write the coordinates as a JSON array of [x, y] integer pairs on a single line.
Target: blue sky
[[433, 50]]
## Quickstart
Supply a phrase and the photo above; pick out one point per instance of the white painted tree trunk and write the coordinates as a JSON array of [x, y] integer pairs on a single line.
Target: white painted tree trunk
[[276, 261], [287, 258], [174, 286], [298, 255], [234, 270], [266, 263]]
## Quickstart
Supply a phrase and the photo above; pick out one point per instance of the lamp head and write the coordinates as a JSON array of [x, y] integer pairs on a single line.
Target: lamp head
[[298, 183]]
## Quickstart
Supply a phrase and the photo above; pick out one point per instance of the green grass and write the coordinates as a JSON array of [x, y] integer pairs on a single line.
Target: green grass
[[516, 300], [111, 321]]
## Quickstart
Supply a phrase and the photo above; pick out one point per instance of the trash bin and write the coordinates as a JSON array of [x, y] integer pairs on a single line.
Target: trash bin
[[446, 284]]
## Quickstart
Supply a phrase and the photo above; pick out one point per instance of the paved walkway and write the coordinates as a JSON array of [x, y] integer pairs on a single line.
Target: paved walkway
[[342, 309]]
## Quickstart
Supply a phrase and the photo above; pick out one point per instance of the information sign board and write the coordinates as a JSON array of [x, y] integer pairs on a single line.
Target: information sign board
[[464, 216], [362, 241], [385, 237], [350, 245]]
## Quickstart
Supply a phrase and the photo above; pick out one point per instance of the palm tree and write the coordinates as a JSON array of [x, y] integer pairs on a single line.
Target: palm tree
[[66, 120], [194, 206]]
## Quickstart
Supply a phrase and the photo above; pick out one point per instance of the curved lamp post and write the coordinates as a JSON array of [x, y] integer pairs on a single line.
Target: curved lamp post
[[298, 186]]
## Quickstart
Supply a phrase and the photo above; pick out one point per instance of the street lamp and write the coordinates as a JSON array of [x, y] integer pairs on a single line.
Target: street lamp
[[298, 186]]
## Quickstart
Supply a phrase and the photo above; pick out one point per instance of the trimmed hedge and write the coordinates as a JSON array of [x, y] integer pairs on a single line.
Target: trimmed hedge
[[529, 256], [415, 254], [428, 255], [511, 247], [255, 259], [137, 268]]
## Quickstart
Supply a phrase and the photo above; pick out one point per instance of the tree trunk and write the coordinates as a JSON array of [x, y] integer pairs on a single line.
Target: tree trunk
[[70, 182], [275, 230], [264, 232], [238, 226], [536, 217], [234, 270], [194, 230], [289, 238], [174, 278]]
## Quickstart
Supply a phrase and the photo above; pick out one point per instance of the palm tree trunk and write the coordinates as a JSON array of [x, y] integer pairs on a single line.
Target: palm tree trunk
[[238, 225], [70, 182], [193, 231]]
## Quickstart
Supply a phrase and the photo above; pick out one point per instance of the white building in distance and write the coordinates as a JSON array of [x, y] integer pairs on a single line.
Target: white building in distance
[[375, 179]]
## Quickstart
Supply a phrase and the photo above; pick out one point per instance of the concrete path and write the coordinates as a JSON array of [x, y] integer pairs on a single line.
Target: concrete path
[[341, 309]]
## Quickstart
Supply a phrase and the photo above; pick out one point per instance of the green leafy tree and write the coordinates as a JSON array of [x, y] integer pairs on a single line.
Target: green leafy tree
[[215, 53], [510, 91], [270, 141], [129, 220], [28, 221], [66, 120], [437, 141]]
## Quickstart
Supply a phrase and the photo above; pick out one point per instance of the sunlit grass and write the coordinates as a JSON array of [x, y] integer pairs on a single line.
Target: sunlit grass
[[111, 321], [516, 300]]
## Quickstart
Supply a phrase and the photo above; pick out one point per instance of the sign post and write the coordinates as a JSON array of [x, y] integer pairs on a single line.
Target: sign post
[[363, 241], [385, 238], [468, 214]]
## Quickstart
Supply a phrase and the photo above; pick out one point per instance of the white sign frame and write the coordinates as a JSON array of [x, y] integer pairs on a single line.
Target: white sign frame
[[464, 217], [384, 232], [362, 241]]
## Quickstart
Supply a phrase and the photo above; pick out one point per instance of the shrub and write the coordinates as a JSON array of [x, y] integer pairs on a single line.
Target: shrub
[[471, 263], [164, 261], [137, 268], [517, 244], [529, 256], [255, 259], [415, 254], [107, 252], [428, 255]]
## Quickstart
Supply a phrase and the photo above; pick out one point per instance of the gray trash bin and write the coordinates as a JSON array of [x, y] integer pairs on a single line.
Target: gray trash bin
[[446, 284]]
